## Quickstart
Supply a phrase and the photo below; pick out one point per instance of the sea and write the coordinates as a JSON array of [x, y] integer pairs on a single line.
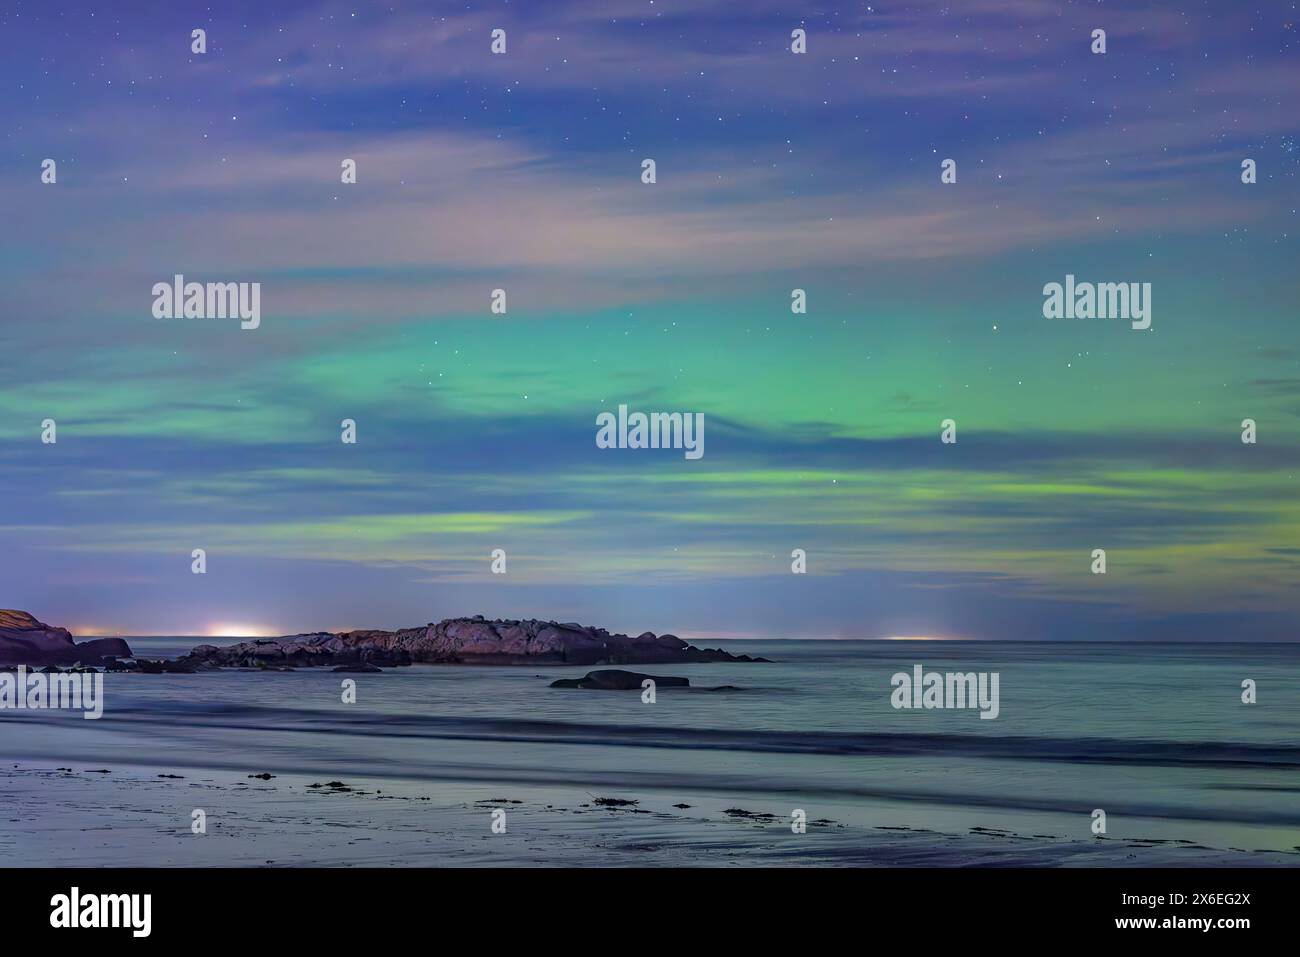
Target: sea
[[1101, 754]]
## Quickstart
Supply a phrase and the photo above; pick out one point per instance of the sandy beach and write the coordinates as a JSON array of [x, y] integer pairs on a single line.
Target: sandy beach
[[137, 817], [410, 772]]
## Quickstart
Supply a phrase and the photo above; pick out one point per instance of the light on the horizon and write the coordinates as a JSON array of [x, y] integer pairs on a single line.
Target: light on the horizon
[[918, 638], [240, 631]]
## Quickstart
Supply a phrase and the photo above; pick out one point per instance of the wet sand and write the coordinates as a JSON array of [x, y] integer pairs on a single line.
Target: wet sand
[[99, 815]]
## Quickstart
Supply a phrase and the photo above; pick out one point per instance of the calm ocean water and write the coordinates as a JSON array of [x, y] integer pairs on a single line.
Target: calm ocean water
[[1156, 735]]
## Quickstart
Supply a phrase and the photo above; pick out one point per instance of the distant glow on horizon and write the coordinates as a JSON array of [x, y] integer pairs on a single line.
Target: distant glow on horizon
[[918, 638], [240, 631]]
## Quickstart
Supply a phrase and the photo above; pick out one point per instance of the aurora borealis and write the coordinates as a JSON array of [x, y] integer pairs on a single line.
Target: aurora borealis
[[776, 171]]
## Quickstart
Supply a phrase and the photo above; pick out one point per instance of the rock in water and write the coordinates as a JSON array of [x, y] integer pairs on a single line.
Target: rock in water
[[462, 641], [26, 641], [614, 680]]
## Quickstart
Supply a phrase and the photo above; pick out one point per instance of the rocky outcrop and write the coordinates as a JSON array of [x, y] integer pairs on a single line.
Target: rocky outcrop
[[614, 680], [26, 641], [461, 641]]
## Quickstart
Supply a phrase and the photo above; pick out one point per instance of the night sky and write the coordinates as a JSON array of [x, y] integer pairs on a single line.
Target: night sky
[[775, 171]]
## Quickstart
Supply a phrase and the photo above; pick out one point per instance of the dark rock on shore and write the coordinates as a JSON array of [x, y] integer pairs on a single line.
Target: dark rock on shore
[[461, 641], [614, 680], [26, 641], [750, 815], [164, 667]]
